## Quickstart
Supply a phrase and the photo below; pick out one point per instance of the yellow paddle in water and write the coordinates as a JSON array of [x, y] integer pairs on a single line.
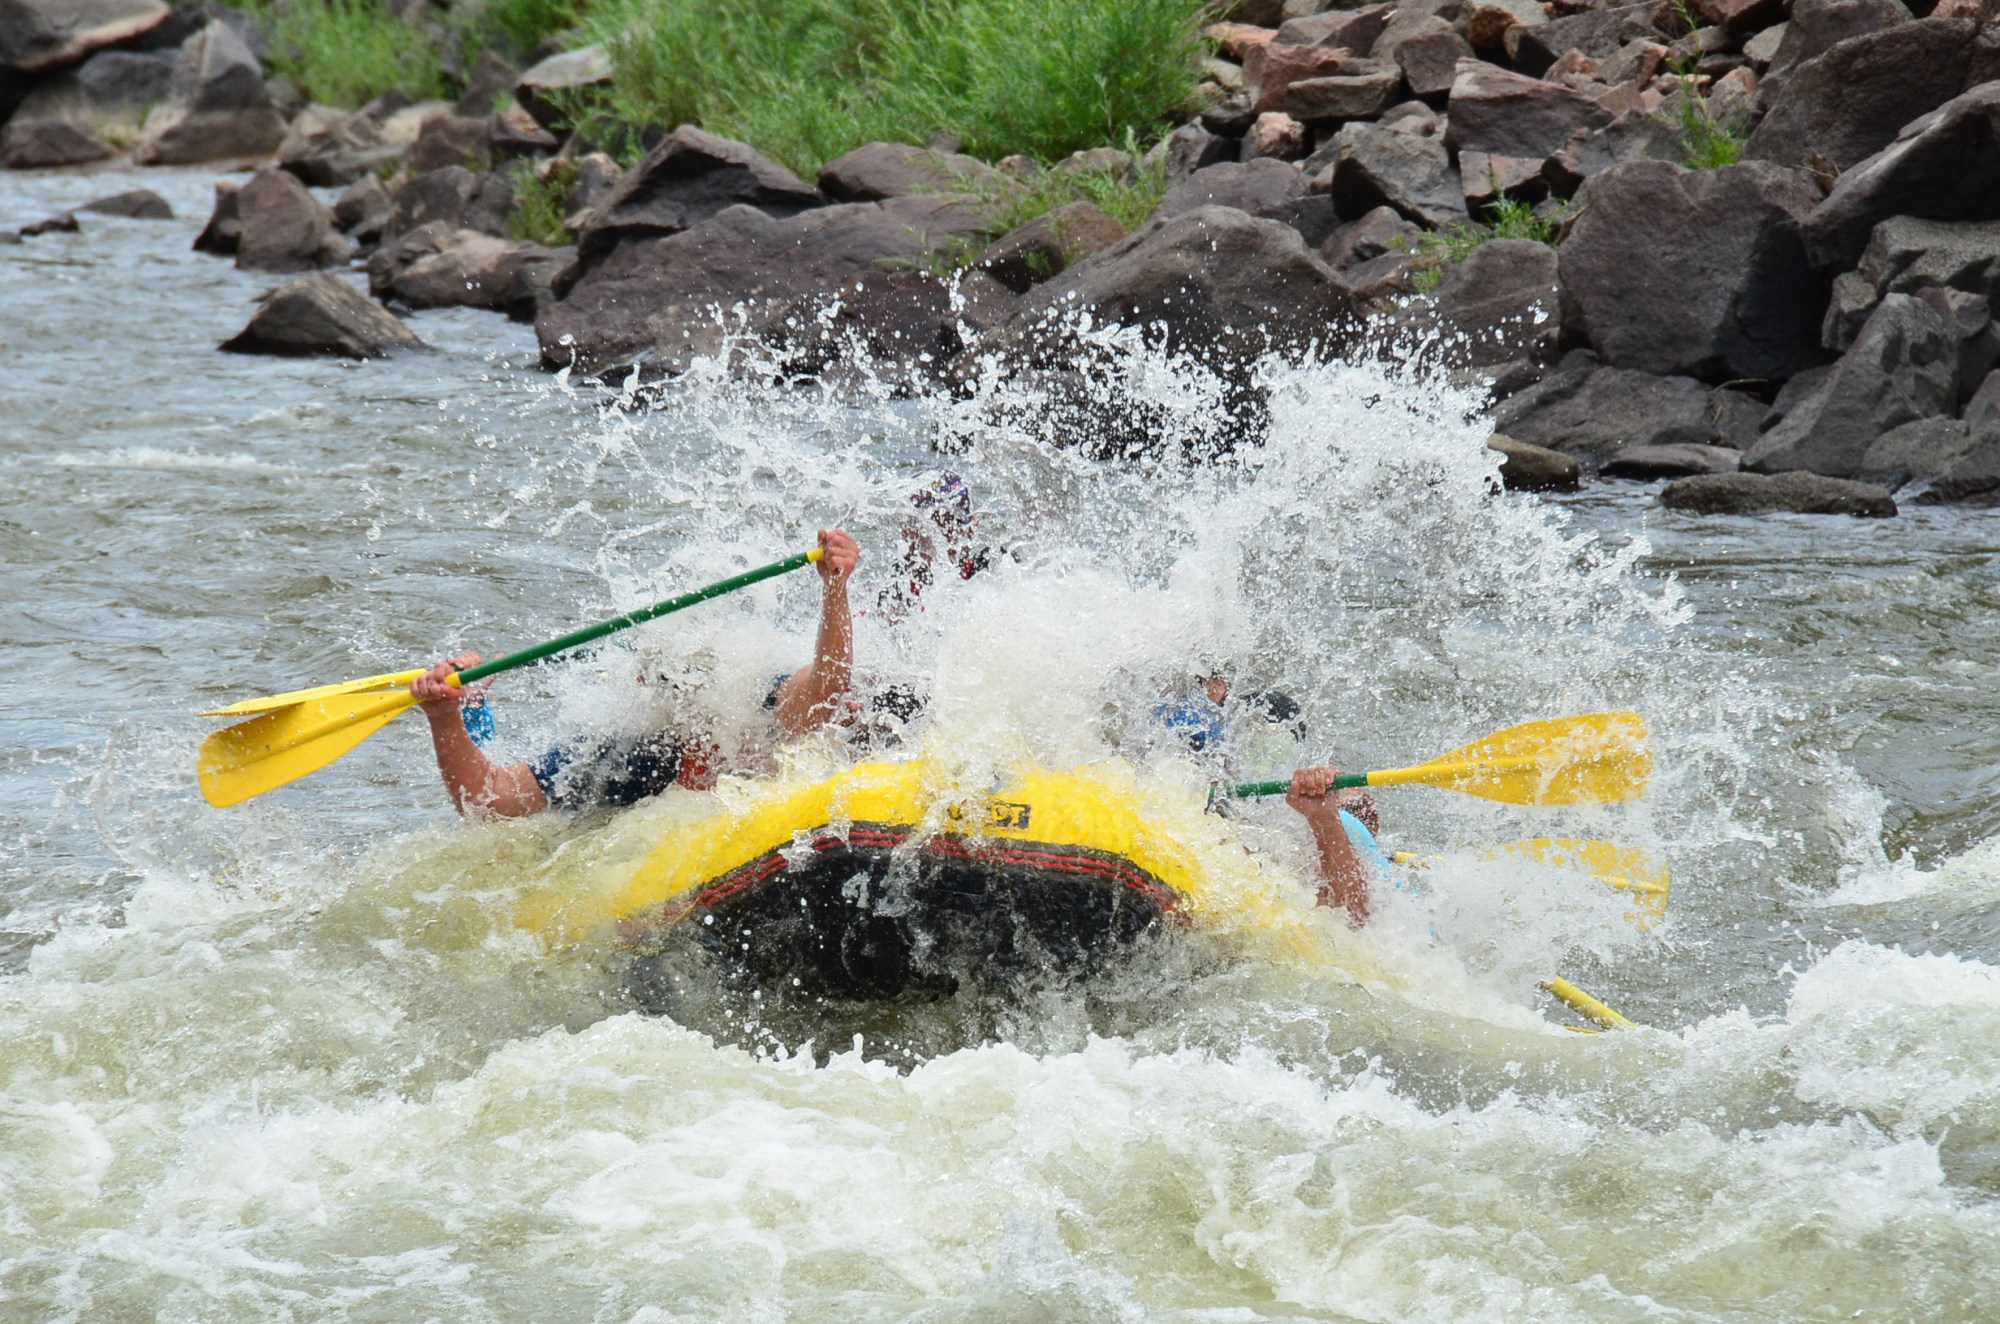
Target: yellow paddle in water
[[1592, 758], [303, 731]]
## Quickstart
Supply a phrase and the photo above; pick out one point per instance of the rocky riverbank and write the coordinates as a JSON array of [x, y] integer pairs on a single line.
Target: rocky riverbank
[[1741, 238]]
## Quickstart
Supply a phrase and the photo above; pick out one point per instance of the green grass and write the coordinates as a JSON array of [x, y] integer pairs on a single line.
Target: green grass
[[540, 205], [806, 80], [1708, 143], [1507, 218], [348, 52]]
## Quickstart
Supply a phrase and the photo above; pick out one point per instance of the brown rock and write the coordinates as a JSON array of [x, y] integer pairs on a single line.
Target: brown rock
[[283, 227], [1764, 494], [876, 171], [1272, 68], [1359, 96], [1525, 467], [1048, 245], [1506, 114], [47, 144], [318, 315], [1276, 135], [40, 35]]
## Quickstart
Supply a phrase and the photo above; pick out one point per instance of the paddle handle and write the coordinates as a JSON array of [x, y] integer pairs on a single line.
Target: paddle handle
[[576, 638], [1346, 781]]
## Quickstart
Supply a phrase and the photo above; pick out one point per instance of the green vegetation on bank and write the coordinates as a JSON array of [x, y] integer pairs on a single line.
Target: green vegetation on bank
[[806, 80], [1708, 142], [348, 52]]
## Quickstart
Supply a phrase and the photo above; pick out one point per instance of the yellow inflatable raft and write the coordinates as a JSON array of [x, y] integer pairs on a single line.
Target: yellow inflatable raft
[[890, 879]]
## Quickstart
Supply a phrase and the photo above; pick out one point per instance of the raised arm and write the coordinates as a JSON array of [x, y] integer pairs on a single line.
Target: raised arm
[[477, 784], [1343, 877], [812, 696]]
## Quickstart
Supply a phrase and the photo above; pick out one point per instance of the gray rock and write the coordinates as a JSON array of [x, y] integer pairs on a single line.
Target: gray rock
[[1915, 452], [1502, 303], [1356, 96], [225, 226], [1817, 26], [1633, 136], [1675, 271], [1851, 101], [1944, 166], [321, 315], [1737, 417], [658, 297], [1048, 245], [1378, 232], [452, 140], [1429, 61], [61, 223], [1903, 367], [1593, 412], [1906, 254], [111, 88], [546, 90], [1525, 467], [433, 267], [283, 227], [40, 35], [46, 144], [1597, 33], [877, 171], [455, 195], [1212, 284], [1973, 479], [141, 204], [1192, 147], [1378, 167], [489, 86], [1646, 463], [218, 107], [1506, 114], [365, 201], [1785, 493], [1273, 190], [690, 177]]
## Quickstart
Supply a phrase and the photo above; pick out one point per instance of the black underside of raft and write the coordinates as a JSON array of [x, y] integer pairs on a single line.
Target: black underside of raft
[[873, 917]]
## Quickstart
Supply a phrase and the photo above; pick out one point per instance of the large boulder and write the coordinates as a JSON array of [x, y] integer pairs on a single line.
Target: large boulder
[[663, 298], [321, 315], [1592, 412], [435, 266], [281, 227], [40, 35], [1680, 460], [1767, 494], [1213, 283], [1916, 452], [1698, 272], [1411, 173], [45, 144], [1943, 167], [108, 94], [1903, 367], [1853, 100], [691, 176], [1973, 478], [1274, 190], [1502, 113], [1500, 304], [225, 223], [218, 108], [877, 171]]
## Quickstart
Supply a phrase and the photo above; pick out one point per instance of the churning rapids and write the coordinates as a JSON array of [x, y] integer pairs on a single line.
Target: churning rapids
[[293, 1061]]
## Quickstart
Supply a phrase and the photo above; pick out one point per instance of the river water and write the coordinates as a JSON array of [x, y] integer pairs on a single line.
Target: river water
[[294, 1060]]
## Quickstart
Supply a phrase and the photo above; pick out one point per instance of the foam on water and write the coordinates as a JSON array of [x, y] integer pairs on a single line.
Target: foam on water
[[297, 1061]]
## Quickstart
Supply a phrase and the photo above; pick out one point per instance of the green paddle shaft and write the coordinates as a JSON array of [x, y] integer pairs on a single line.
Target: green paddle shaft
[[589, 632], [1346, 781]]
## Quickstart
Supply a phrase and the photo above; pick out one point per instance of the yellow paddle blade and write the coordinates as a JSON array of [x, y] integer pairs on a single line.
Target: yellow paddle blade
[[1629, 869], [265, 752], [1592, 758], [393, 680], [1585, 1005]]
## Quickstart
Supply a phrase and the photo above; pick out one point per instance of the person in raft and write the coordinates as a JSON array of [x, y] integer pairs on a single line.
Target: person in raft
[[623, 772], [1343, 823], [1343, 827]]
